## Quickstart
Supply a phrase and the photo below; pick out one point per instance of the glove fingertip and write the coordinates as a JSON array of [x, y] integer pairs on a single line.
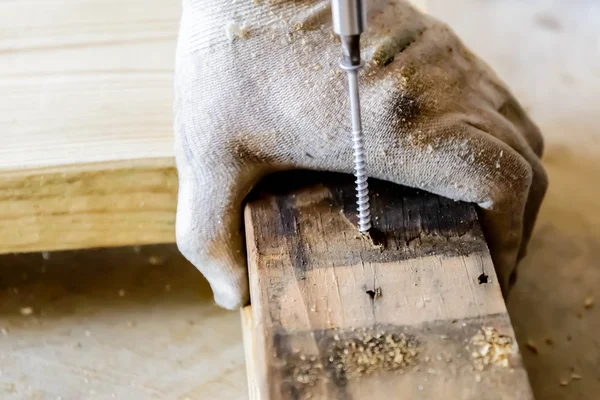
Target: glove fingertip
[[230, 300]]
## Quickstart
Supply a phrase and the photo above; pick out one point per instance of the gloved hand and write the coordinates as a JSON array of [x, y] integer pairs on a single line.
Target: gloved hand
[[259, 89]]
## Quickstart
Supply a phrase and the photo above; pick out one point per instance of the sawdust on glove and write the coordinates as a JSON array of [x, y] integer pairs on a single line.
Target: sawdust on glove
[[258, 90]]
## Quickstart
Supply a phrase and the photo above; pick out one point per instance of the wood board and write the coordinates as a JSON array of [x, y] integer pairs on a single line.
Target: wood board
[[337, 317], [85, 206], [86, 138]]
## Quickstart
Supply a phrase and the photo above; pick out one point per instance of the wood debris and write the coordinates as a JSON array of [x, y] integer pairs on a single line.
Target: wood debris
[[306, 370], [491, 348], [154, 260], [367, 352], [234, 31], [588, 303], [26, 310]]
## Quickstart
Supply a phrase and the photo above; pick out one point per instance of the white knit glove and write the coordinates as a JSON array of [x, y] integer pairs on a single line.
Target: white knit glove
[[259, 89]]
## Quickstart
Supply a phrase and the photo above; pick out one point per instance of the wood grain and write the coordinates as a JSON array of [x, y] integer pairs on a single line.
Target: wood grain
[[320, 292], [84, 206], [86, 155], [85, 81]]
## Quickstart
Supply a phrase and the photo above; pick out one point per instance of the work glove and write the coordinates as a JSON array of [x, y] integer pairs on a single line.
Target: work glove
[[259, 89]]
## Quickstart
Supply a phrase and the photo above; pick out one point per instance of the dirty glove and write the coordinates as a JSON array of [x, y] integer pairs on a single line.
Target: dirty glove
[[259, 90]]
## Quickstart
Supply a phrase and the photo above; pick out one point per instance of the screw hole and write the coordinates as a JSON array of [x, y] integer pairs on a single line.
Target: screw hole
[[483, 278]]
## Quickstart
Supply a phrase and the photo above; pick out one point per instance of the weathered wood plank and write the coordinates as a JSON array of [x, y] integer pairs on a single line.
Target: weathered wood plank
[[336, 317]]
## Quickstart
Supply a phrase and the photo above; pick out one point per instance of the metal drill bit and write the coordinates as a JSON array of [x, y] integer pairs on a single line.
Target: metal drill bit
[[349, 19]]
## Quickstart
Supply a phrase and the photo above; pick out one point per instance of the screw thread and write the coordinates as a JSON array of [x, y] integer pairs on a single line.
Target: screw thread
[[362, 185]]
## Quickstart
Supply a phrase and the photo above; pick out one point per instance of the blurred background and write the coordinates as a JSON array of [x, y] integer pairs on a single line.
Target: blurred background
[[139, 322]]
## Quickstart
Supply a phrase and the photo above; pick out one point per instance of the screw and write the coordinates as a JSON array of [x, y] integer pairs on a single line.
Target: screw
[[362, 186]]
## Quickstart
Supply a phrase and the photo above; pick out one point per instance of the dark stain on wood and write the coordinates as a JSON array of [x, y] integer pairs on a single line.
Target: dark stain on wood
[[402, 228], [290, 230]]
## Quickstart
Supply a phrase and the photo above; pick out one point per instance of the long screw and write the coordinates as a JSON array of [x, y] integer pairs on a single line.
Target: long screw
[[362, 185], [349, 22]]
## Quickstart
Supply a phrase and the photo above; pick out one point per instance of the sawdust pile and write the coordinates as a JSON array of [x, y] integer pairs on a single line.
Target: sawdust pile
[[491, 348], [352, 356], [306, 370], [366, 353]]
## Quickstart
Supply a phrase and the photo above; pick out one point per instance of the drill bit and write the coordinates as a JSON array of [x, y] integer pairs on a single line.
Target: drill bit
[[349, 18]]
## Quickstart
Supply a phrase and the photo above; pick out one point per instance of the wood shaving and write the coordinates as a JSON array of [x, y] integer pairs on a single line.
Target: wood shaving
[[491, 348], [588, 303]]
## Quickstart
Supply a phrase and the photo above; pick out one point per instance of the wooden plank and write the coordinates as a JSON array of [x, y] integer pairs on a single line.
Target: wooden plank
[[86, 123], [337, 317], [81, 206], [85, 81]]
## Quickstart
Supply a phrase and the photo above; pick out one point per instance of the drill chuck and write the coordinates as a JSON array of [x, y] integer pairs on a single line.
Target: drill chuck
[[349, 17], [349, 22]]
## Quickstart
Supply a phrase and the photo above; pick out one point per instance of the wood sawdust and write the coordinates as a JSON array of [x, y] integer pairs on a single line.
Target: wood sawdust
[[235, 31], [360, 354], [306, 370], [367, 352], [374, 237], [491, 348], [26, 311]]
